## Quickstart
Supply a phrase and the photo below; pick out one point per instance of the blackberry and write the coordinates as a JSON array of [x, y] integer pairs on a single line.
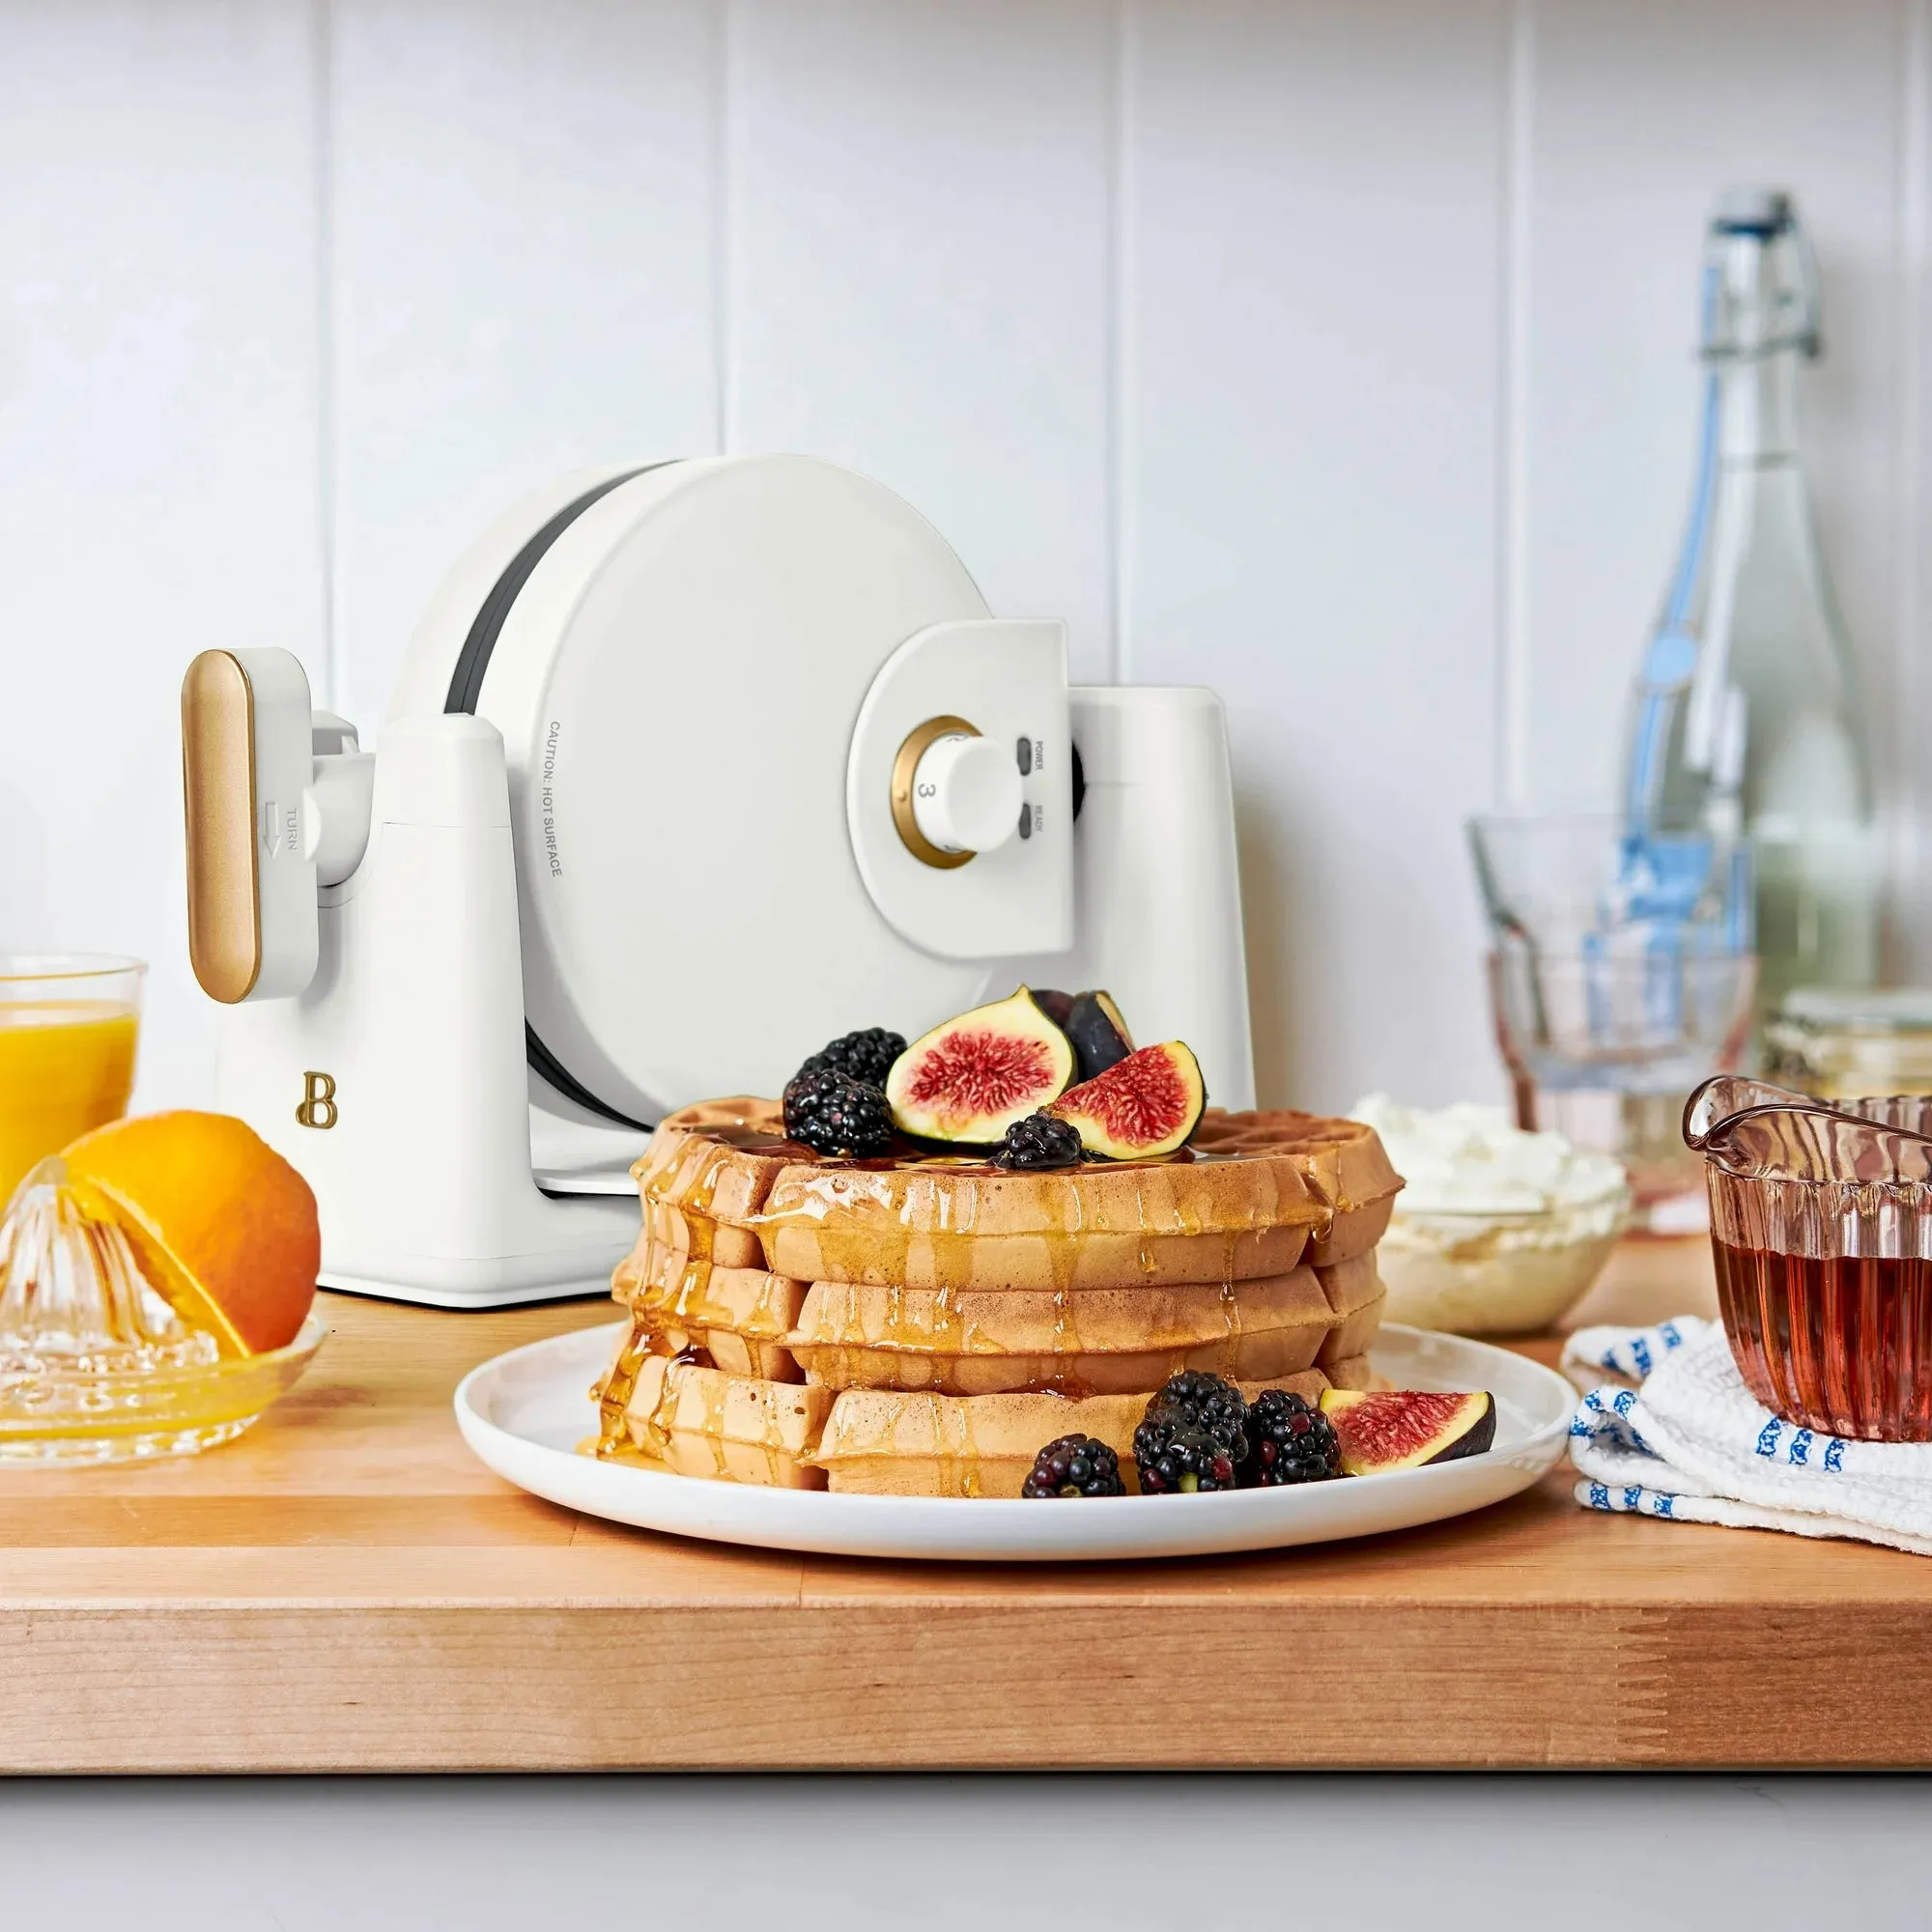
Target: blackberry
[[1288, 1442], [1041, 1139], [867, 1055], [1208, 1404], [1174, 1457], [1076, 1465], [832, 1113]]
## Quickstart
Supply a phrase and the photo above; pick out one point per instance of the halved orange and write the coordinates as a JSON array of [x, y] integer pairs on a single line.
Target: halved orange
[[221, 1223]]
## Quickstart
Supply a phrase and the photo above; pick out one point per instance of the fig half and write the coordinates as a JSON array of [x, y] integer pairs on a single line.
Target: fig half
[[1403, 1429], [1054, 1004], [1099, 1035], [1144, 1105], [971, 1079]]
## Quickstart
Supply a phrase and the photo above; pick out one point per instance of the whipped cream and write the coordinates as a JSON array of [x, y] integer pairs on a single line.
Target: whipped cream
[[1499, 1231], [1468, 1159]]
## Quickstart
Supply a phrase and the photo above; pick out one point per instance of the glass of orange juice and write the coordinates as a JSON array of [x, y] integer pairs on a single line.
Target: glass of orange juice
[[68, 1028]]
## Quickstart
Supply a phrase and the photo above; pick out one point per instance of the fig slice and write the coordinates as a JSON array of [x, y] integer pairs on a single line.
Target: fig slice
[[1142, 1106], [1099, 1035], [971, 1079], [1403, 1429]]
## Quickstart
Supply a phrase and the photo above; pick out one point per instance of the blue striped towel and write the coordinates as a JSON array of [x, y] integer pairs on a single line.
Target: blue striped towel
[[1667, 1428]]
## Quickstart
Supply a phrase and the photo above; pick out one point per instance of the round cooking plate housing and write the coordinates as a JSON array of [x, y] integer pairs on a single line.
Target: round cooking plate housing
[[675, 656]]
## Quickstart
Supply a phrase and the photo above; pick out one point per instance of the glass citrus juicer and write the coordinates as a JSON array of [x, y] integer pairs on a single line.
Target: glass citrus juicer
[[1821, 1228], [130, 1321]]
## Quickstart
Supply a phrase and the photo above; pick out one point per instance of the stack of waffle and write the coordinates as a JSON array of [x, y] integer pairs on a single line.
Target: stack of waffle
[[923, 1325]]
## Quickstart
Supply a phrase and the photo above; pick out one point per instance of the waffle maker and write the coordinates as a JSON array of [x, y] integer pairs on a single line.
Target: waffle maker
[[690, 767]]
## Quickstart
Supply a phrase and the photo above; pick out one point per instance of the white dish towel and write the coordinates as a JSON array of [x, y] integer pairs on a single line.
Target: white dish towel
[[1673, 1431]]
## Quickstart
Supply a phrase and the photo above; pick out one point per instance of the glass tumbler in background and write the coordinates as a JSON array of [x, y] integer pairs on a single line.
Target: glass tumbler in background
[[1622, 974], [1561, 880], [1603, 1048], [68, 1024]]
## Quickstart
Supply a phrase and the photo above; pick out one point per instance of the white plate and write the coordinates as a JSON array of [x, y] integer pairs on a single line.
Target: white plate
[[524, 1413]]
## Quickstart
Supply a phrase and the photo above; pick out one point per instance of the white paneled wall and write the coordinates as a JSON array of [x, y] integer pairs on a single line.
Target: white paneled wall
[[918, 275], [522, 206], [1311, 339], [160, 475], [1335, 352]]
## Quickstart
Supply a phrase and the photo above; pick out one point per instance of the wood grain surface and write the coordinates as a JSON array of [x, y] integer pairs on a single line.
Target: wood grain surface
[[347, 1588]]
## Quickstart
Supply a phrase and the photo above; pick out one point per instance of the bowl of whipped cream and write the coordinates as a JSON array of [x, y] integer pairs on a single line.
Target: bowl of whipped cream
[[1499, 1231]]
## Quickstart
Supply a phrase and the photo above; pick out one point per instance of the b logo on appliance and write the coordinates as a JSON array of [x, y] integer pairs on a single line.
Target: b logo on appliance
[[318, 1108]]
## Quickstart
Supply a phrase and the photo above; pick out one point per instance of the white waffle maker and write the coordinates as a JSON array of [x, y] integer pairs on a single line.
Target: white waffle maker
[[692, 767]]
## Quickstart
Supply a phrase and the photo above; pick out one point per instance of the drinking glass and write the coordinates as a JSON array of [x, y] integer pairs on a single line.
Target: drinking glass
[[1555, 879], [1604, 1049], [67, 1029], [1622, 974]]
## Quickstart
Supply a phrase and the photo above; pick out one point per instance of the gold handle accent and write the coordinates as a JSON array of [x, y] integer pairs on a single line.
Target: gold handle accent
[[919, 741], [224, 901]]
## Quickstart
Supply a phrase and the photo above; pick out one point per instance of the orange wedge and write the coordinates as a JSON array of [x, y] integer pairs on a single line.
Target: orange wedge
[[221, 1224]]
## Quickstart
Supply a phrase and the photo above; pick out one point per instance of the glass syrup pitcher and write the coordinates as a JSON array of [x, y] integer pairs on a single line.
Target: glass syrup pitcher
[[1821, 1229]]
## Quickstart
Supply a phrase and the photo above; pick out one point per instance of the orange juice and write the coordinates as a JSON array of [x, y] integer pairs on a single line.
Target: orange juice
[[66, 1067]]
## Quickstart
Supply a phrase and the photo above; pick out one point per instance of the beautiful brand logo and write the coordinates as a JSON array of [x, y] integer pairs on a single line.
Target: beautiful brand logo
[[318, 1108]]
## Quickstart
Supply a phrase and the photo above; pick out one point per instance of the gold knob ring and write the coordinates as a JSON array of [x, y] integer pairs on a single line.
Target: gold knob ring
[[919, 741]]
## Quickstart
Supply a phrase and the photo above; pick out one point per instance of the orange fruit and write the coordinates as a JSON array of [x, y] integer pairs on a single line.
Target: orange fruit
[[222, 1224]]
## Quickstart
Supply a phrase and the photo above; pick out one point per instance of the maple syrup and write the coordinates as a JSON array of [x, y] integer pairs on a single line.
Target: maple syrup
[[613, 1394], [1839, 1345]]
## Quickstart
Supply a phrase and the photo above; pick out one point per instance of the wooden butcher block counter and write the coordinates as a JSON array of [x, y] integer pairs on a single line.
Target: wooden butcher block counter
[[348, 1589]]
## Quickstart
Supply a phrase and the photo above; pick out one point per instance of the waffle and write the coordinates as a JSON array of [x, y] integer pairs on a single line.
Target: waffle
[[1343, 1163], [738, 1316], [1354, 1294], [699, 1237], [1099, 1342], [699, 1421], [1262, 1192], [888, 1442], [706, 1173]]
